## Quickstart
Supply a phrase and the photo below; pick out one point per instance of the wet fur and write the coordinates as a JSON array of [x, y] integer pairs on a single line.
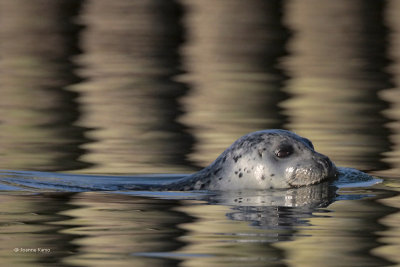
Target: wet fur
[[247, 164]]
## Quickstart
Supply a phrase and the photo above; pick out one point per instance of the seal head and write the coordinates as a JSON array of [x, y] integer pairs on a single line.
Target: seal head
[[264, 160]]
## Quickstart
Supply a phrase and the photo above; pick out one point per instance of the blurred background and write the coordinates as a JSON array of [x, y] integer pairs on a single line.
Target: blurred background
[[155, 86]]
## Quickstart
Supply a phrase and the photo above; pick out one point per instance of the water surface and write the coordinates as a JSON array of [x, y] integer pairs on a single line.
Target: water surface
[[123, 88]]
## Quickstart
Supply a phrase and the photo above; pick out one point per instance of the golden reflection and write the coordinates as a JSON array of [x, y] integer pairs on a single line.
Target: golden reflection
[[103, 229], [37, 112], [113, 232], [129, 97], [232, 56], [391, 236], [392, 95], [335, 79], [88, 229], [230, 241], [345, 232], [24, 225]]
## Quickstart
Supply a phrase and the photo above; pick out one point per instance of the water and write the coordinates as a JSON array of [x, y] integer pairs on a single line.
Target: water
[[95, 89]]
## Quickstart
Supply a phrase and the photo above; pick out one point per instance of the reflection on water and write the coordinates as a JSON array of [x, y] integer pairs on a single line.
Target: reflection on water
[[145, 87], [73, 227], [100, 229], [129, 95], [38, 114], [347, 233], [165, 86], [336, 77], [234, 73]]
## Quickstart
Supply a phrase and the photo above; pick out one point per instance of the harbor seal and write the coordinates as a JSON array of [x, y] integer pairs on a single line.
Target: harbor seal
[[267, 159]]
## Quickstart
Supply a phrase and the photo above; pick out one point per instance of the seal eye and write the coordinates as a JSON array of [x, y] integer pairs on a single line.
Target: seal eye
[[284, 151]]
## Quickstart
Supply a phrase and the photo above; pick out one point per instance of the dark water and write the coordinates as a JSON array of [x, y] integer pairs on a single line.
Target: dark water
[[118, 88]]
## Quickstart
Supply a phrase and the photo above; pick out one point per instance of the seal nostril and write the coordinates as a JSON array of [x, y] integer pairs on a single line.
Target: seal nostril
[[328, 162]]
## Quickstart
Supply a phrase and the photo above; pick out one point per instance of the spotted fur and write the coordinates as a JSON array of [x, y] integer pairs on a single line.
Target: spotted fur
[[251, 163]]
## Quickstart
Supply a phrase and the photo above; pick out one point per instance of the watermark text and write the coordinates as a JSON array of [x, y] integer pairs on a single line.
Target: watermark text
[[32, 250]]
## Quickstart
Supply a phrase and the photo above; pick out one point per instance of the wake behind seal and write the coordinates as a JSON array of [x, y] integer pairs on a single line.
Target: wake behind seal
[[267, 159]]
